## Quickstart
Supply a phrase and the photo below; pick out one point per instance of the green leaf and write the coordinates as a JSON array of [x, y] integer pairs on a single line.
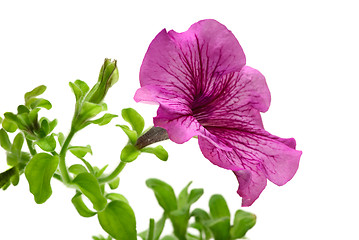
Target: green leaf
[[179, 219], [80, 151], [114, 183], [76, 90], [129, 153], [83, 86], [158, 228], [116, 196], [218, 207], [17, 144], [39, 172], [99, 172], [220, 228], [81, 207], [77, 169], [159, 151], [39, 103], [47, 144], [90, 110], [5, 177], [118, 220], [22, 109], [9, 125], [131, 134], [34, 93], [164, 194], [15, 178], [183, 197], [243, 221], [151, 230], [194, 195], [61, 138], [4, 140], [33, 115], [105, 119], [131, 116], [169, 237], [202, 218], [90, 187]]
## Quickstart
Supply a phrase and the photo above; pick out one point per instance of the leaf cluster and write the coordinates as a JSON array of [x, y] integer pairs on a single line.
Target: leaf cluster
[[213, 224]]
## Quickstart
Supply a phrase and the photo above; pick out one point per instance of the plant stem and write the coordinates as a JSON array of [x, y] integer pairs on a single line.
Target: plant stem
[[62, 165], [31, 148], [114, 174]]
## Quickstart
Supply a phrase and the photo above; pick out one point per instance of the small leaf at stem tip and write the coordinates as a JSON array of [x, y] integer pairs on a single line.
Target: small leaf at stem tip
[[77, 169], [129, 153], [4, 140], [47, 144], [194, 195], [243, 221], [114, 183], [159, 151], [34, 93], [61, 138], [164, 194], [182, 200], [131, 116], [80, 151], [81, 207], [90, 187], [39, 102], [131, 134], [38, 173], [105, 119], [101, 171], [218, 206], [118, 220]]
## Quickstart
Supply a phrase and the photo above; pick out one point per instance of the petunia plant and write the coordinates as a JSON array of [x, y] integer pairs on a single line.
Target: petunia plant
[[204, 89]]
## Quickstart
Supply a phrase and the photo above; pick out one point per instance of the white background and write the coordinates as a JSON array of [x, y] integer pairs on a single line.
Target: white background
[[308, 51]]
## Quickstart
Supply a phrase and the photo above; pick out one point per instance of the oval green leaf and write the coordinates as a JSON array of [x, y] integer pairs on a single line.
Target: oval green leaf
[[164, 194], [39, 172], [118, 220], [243, 221], [218, 207], [90, 187], [131, 116]]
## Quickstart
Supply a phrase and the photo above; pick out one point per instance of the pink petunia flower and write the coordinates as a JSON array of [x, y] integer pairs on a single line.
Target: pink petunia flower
[[203, 88]]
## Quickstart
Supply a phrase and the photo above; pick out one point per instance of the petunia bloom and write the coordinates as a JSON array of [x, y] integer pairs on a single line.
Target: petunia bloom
[[203, 88]]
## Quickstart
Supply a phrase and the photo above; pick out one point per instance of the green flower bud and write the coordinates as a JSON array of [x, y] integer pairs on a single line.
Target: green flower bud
[[107, 78]]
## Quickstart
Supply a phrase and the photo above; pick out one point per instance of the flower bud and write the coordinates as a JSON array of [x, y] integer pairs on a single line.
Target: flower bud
[[107, 78]]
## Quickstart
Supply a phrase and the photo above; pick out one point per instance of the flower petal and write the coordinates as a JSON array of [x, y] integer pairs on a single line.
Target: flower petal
[[185, 64], [251, 185], [256, 151], [181, 127]]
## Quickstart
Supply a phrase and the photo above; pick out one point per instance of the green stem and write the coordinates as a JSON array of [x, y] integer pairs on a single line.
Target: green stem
[[31, 148], [63, 169], [114, 174]]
